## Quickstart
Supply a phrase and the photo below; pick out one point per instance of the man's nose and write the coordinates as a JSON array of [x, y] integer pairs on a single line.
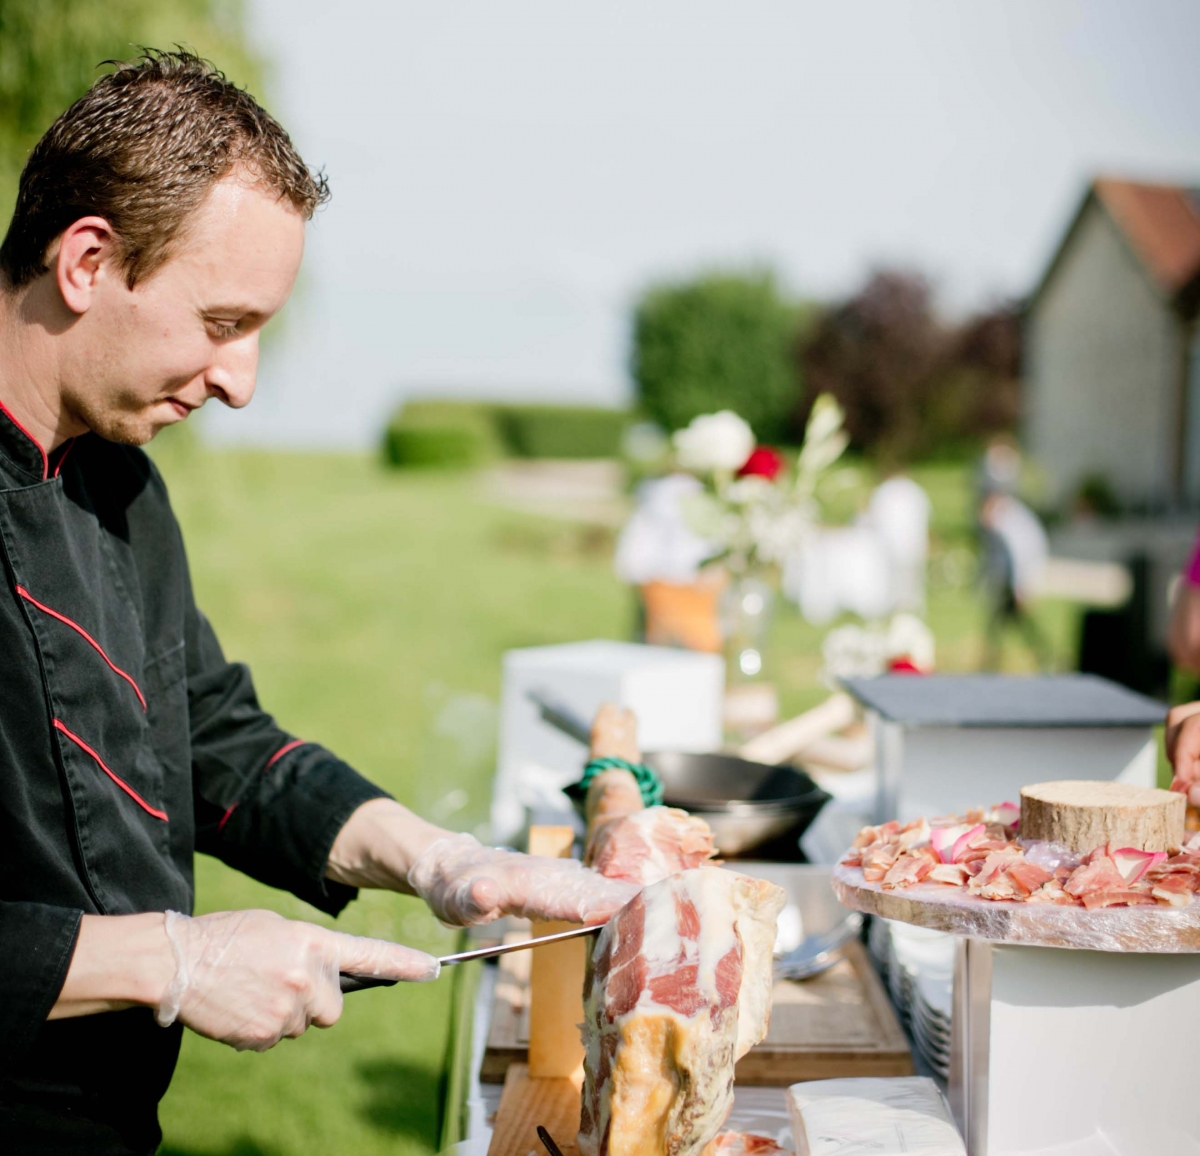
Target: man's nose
[[232, 375]]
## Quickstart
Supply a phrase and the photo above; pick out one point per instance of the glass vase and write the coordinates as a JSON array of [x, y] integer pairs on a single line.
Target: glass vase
[[746, 608]]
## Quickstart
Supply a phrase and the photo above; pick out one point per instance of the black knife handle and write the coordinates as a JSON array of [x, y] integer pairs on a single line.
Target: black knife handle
[[359, 982]]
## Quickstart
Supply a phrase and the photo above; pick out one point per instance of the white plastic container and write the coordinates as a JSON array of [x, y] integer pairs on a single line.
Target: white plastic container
[[677, 696]]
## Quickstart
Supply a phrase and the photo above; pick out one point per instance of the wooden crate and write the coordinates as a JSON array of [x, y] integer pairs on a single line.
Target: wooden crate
[[839, 1023]]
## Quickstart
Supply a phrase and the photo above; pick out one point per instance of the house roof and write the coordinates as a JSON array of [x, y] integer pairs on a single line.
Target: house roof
[[1159, 223]]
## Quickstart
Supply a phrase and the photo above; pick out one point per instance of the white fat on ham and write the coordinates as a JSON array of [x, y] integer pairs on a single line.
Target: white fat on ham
[[648, 845], [678, 989]]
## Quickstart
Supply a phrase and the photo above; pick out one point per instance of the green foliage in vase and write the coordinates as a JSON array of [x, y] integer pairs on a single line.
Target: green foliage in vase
[[52, 50], [722, 341]]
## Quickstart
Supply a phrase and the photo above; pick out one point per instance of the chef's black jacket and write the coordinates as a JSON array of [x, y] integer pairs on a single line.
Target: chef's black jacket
[[127, 742]]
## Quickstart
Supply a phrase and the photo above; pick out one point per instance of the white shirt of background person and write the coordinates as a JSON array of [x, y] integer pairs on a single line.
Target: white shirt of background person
[[899, 510]]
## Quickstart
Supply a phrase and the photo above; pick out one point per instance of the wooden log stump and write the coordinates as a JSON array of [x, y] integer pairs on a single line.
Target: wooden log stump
[[1085, 815]]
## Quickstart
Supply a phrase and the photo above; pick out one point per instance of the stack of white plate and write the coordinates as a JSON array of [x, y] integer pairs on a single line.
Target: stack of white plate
[[918, 967], [930, 1020]]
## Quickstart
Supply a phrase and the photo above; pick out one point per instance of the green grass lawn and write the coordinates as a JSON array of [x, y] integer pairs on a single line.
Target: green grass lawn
[[374, 608]]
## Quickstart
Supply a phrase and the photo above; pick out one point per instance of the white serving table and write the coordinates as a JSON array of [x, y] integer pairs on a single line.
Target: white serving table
[[1071, 1028]]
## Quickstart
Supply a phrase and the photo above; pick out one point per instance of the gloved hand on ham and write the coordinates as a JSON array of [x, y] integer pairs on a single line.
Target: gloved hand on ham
[[466, 883], [250, 978]]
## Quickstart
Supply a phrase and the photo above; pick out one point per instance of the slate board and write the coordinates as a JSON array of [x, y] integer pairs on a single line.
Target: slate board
[[995, 700]]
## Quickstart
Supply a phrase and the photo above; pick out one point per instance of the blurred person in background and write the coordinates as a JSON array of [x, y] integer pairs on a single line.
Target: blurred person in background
[[999, 470], [1013, 563], [899, 510], [159, 225]]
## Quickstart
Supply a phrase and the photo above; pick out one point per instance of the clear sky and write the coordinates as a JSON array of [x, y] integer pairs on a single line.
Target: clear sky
[[507, 176]]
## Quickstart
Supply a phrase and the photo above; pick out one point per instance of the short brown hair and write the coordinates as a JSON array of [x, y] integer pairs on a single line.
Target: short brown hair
[[141, 148]]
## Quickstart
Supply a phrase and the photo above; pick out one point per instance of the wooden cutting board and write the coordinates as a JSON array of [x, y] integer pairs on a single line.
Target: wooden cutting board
[[839, 1023], [526, 1103]]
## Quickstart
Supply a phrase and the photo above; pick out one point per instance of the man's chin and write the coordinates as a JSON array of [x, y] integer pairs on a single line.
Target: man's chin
[[129, 429]]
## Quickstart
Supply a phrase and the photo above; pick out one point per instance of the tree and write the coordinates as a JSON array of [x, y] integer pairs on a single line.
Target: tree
[[988, 352], [879, 354], [722, 341], [51, 51], [910, 384]]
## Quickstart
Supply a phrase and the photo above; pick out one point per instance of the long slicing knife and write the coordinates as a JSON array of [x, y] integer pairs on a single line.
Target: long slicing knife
[[358, 982]]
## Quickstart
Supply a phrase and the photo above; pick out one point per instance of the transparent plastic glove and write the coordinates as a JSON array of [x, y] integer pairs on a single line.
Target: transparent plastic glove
[[249, 978], [465, 882]]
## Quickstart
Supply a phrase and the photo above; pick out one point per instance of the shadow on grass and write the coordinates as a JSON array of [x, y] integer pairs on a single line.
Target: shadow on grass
[[403, 1099], [243, 1147]]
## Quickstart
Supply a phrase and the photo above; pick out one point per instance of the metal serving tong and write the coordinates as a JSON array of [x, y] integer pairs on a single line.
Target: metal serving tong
[[358, 982]]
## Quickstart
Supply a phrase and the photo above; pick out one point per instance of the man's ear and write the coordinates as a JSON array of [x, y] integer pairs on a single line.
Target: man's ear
[[84, 246]]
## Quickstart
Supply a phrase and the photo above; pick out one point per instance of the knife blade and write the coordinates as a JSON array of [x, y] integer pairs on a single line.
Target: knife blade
[[359, 982]]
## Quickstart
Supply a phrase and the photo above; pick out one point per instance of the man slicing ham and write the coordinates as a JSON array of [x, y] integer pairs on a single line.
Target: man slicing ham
[[159, 225]]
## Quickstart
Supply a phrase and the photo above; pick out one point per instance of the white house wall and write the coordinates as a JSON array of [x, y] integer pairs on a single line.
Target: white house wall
[[1101, 370]]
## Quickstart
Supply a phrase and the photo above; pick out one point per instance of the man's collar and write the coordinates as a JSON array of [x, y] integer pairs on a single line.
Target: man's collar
[[20, 447]]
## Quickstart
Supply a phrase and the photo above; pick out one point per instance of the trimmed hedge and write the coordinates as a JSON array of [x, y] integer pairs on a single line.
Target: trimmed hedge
[[561, 431], [466, 433], [441, 433]]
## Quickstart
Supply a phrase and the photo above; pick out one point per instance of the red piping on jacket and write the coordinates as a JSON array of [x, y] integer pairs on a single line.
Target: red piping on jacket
[[283, 750], [70, 447], [61, 728], [45, 460], [83, 633]]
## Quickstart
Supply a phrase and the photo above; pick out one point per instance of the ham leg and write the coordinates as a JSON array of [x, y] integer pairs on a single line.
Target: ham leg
[[627, 840], [678, 990]]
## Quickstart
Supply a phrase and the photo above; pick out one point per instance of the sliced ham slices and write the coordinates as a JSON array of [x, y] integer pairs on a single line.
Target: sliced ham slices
[[746, 1144], [981, 856]]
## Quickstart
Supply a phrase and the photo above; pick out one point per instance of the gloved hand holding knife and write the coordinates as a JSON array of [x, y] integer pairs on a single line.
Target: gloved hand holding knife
[[252, 978]]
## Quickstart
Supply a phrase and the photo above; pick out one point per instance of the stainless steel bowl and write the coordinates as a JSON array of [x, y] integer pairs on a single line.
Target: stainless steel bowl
[[814, 925], [747, 804]]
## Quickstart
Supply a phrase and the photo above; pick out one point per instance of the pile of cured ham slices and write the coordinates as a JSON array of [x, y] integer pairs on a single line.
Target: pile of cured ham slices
[[679, 984], [981, 855]]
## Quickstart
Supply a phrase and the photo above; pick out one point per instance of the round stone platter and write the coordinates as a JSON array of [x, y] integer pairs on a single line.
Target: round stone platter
[[1173, 930]]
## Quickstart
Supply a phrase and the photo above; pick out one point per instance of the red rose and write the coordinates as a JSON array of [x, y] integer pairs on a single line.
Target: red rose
[[903, 665], [763, 462]]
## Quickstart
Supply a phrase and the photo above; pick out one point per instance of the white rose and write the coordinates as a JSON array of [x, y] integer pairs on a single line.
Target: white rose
[[749, 491], [909, 637], [714, 441]]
